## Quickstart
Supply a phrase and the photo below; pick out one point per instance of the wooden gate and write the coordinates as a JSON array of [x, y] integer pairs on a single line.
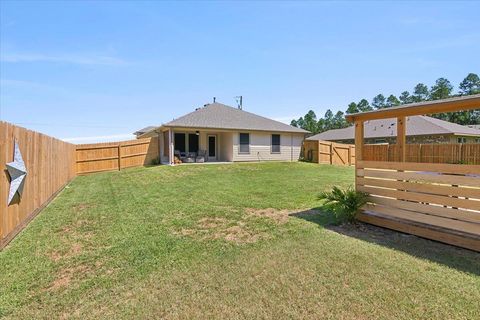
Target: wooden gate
[[327, 152]]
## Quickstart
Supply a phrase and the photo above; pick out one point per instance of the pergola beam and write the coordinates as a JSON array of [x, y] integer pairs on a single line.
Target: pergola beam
[[428, 107]]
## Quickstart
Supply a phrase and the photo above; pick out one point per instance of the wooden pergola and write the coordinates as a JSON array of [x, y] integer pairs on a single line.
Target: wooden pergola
[[435, 201]]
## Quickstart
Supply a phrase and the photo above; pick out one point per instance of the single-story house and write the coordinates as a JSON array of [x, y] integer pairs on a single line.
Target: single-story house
[[420, 129], [217, 132]]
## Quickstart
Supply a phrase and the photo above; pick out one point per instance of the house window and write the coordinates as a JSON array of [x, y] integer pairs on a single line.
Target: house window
[[477, 140], [192, 142], [275, 143], [244, 143], [461, 140]]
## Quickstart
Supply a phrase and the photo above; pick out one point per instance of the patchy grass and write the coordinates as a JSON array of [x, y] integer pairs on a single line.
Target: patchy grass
[[225, 241]]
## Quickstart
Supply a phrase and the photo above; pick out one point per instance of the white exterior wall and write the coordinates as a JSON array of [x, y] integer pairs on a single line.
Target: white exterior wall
[[225, 146], [260, 147]]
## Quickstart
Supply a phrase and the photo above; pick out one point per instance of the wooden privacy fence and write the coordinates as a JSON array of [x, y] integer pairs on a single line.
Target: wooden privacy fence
[[110, 156], [455, 153], [50, 166], [327, 152]]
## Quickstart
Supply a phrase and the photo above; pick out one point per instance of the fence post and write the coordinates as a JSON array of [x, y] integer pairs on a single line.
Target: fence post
[[331, 152], [119, 157], [349, 155], [318, 152], [461, 153]]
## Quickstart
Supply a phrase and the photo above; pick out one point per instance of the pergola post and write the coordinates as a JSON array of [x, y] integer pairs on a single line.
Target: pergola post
[[401, 138], [359, 126]]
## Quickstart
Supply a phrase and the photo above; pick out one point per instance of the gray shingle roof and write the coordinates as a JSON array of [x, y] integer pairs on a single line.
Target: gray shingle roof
[[220, 116], [416, 126], [143, 130]]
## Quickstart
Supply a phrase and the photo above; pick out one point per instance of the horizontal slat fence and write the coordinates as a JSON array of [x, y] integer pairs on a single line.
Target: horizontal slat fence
[[327, 152], [98, 157], [50, 165], [455, 153], [440, 196]]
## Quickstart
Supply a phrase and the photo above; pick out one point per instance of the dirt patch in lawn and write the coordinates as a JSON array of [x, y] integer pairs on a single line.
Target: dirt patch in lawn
[[220, 228], [278, 216], [239, 235], [66, 275], [74, 251]]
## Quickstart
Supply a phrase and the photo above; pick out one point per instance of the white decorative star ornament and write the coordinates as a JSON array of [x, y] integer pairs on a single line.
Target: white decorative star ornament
[[17, 172]]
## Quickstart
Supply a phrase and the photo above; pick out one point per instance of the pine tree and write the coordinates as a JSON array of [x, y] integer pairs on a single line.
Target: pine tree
[[405, 97], [420, 93], [470, 85], [352, 108], [378, 101], [442, 89], [363, 106], [392, 101]]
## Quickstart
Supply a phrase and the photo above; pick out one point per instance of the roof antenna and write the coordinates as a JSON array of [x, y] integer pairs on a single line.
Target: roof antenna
[[239, 100]]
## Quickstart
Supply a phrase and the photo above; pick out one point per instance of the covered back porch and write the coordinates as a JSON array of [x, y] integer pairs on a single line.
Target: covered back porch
[[194, 145]]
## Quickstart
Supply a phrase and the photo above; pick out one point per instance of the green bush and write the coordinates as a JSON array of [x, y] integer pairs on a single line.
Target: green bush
[[344, 203], [155, 161]]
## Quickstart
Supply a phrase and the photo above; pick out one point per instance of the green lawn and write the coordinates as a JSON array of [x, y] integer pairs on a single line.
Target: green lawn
[[225, 241]]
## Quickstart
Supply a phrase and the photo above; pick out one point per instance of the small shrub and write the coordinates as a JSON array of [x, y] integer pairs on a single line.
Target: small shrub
[[155, 161], [344, 203]]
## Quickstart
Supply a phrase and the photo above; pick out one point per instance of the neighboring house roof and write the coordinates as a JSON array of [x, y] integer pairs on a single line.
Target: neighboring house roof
[[144, 130], [383, 128], [220, 116]]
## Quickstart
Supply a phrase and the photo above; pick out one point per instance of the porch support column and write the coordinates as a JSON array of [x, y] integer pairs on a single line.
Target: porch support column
[[160, 143], [170, 147], [401, 138], [359, 128]]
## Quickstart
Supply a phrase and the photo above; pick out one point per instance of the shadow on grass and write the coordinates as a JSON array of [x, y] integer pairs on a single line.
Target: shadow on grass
[[454, 257]]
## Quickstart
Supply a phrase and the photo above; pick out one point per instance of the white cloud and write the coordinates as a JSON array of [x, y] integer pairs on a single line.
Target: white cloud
[[110, 138], [86, 59]]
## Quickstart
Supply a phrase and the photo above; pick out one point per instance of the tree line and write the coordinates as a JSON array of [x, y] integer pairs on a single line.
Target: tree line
[[440, 90]]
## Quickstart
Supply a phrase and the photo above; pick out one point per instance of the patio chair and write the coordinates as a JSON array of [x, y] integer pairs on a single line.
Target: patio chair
[[202, 156], [183, 156]]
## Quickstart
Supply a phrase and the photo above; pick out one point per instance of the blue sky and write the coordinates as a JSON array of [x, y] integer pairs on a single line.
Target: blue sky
[[105, 69]]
